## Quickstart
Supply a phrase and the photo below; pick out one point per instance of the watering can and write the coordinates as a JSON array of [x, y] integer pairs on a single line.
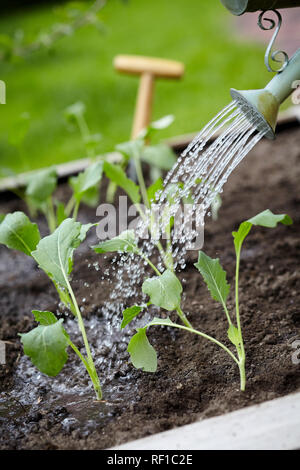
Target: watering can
[[238, 7], [262, 106]]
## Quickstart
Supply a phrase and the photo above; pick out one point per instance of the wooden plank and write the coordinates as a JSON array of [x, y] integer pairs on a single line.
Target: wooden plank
[[273, 425], [286, 118]]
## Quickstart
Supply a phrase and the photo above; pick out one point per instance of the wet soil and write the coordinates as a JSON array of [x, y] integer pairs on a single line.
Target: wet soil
[[195, 379]]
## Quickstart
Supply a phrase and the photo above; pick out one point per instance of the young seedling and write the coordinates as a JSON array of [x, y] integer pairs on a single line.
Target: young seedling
[[164, 291], [46, 345], [41, 185], [75, 114], [160, 157]]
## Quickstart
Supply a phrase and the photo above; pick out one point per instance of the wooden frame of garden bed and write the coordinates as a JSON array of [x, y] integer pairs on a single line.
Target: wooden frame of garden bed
[[272, 425], [287, 119]]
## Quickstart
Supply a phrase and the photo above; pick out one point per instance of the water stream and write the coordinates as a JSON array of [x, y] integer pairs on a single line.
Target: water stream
[[198, 176]]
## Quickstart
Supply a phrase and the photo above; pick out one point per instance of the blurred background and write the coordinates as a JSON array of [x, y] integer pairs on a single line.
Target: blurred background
[[54, 54]]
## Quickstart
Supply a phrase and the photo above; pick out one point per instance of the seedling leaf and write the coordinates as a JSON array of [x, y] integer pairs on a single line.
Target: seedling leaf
[[152, 190], [161, 156], [60, 213], [214, 277], [142, 354], [46, 347], [268, 219], [44, 318], [240, 235], [263, 219], [86, 181], [164, 291], [117, 175], [54, 253], [124, 243], [129, 314], [161, 322], [19, 233], [163, 122], [130, 149], [233, 335], [74, 111], [41, 185]]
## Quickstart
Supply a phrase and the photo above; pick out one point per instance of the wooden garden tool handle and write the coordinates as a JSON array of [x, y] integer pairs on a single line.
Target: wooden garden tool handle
[[149, 68]]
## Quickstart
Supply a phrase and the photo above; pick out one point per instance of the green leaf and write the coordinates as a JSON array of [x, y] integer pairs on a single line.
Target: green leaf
[[74, 111], [41, 185], [86, 180], [163, 122], [54, 253], [117, 175], [44, 318], [91, 141], [164, 291], [129, 314], [60, 213], [124, 243], [91, 196], [2, 217], [263, 219], [65, 298], [142, 354], [161, 156], [240, 235], [19, 233], [233, 335], [46, 346], [154, 188], [84, 230], [268, 219], [214, 277], [130, 149], [161, 322]]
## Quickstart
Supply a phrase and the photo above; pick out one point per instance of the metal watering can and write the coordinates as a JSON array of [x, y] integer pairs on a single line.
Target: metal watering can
[[263, 104]]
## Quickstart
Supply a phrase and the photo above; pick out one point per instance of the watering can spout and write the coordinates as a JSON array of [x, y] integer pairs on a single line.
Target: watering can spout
[[262, 106], [238, 7]]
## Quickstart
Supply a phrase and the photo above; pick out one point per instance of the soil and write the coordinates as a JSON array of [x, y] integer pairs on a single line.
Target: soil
[[195, 379]]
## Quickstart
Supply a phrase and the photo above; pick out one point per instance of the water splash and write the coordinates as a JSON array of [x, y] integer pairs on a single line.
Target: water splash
[[199, 175]]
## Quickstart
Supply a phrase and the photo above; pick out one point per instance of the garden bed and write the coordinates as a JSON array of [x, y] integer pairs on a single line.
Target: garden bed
[[195, 379]]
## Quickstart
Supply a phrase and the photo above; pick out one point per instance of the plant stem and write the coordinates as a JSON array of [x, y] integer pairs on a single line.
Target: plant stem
[[111, 191], [149, 262], [69, 206], [141, 180], [75, 211], [50, 215], [85, 133], [91, 366], [210, 338], [242, 375], [241, 349], [169, 253], [157, 243], [65, 298], [183, 318]]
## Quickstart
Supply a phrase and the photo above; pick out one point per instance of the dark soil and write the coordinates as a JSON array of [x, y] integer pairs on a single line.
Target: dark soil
[[195, 379]]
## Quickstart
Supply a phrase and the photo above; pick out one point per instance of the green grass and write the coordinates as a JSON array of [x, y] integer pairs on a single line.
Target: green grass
[[199, 33]]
